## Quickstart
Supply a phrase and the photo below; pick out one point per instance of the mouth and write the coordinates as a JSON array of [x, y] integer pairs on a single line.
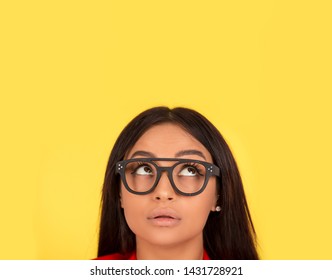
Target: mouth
[[164, 218]]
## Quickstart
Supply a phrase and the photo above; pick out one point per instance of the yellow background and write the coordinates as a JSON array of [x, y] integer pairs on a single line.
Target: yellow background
[[73, 73]]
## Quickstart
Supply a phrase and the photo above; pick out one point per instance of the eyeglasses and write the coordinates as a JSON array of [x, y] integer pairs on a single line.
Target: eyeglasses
[[187, 176]]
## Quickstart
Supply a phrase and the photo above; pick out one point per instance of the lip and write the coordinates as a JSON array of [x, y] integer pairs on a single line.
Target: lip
[[164, 217]]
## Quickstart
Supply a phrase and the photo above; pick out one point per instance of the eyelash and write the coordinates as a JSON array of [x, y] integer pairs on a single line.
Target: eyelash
[[194, 165], [188, 164], [139, 164]]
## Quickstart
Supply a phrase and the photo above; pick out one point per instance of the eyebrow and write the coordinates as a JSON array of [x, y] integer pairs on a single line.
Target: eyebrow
[[143, 154], [178, 154], [190, 152]]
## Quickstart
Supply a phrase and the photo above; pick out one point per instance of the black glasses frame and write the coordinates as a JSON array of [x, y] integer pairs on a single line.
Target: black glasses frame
[[210, 168]]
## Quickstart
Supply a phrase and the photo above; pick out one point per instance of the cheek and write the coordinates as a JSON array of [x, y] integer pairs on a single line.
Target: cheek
[[133, 206], [198, 208], [126, 198], [210, 195]]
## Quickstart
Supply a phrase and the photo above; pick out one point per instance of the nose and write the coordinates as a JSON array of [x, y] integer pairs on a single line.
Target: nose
[[164, 190]]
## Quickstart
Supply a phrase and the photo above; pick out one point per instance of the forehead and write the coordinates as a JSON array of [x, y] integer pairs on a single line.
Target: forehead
[[166, 140]]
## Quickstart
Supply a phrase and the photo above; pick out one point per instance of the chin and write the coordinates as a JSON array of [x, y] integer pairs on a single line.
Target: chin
[[163, 239], [168, 239]]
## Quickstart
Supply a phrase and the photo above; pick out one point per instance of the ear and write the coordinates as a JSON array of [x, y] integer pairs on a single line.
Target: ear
[[215, 203]]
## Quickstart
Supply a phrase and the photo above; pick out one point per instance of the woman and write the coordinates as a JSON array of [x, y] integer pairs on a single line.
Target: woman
[[172, 190]]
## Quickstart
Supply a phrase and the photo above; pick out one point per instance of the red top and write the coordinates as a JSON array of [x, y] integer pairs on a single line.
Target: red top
[[132, 256]]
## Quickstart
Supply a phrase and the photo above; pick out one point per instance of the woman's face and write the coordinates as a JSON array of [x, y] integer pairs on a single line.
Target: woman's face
[[163, 217]]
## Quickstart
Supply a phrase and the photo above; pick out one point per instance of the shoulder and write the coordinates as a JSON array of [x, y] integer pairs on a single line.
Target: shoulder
[[205, 255], [118, 256], [132, 256]]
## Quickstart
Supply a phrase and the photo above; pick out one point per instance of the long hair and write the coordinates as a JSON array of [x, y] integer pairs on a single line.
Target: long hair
[[228, 234]]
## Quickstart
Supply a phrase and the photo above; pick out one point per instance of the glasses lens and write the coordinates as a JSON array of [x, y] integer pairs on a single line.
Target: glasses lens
[[140, 175], [189, 177]]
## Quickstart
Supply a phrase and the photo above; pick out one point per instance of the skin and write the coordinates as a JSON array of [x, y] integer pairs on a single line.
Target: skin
[[184, 238]]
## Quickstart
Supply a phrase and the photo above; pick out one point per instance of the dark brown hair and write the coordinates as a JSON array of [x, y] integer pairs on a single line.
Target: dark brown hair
[[228, 234]]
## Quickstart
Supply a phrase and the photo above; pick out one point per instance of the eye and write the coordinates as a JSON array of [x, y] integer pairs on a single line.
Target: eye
[[143, 170], [189, 170]]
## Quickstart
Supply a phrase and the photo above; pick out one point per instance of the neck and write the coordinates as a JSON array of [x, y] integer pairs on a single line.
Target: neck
[[191, 250]]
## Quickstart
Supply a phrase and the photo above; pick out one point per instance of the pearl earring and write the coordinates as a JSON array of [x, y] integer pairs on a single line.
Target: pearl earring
[[218, 208]]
